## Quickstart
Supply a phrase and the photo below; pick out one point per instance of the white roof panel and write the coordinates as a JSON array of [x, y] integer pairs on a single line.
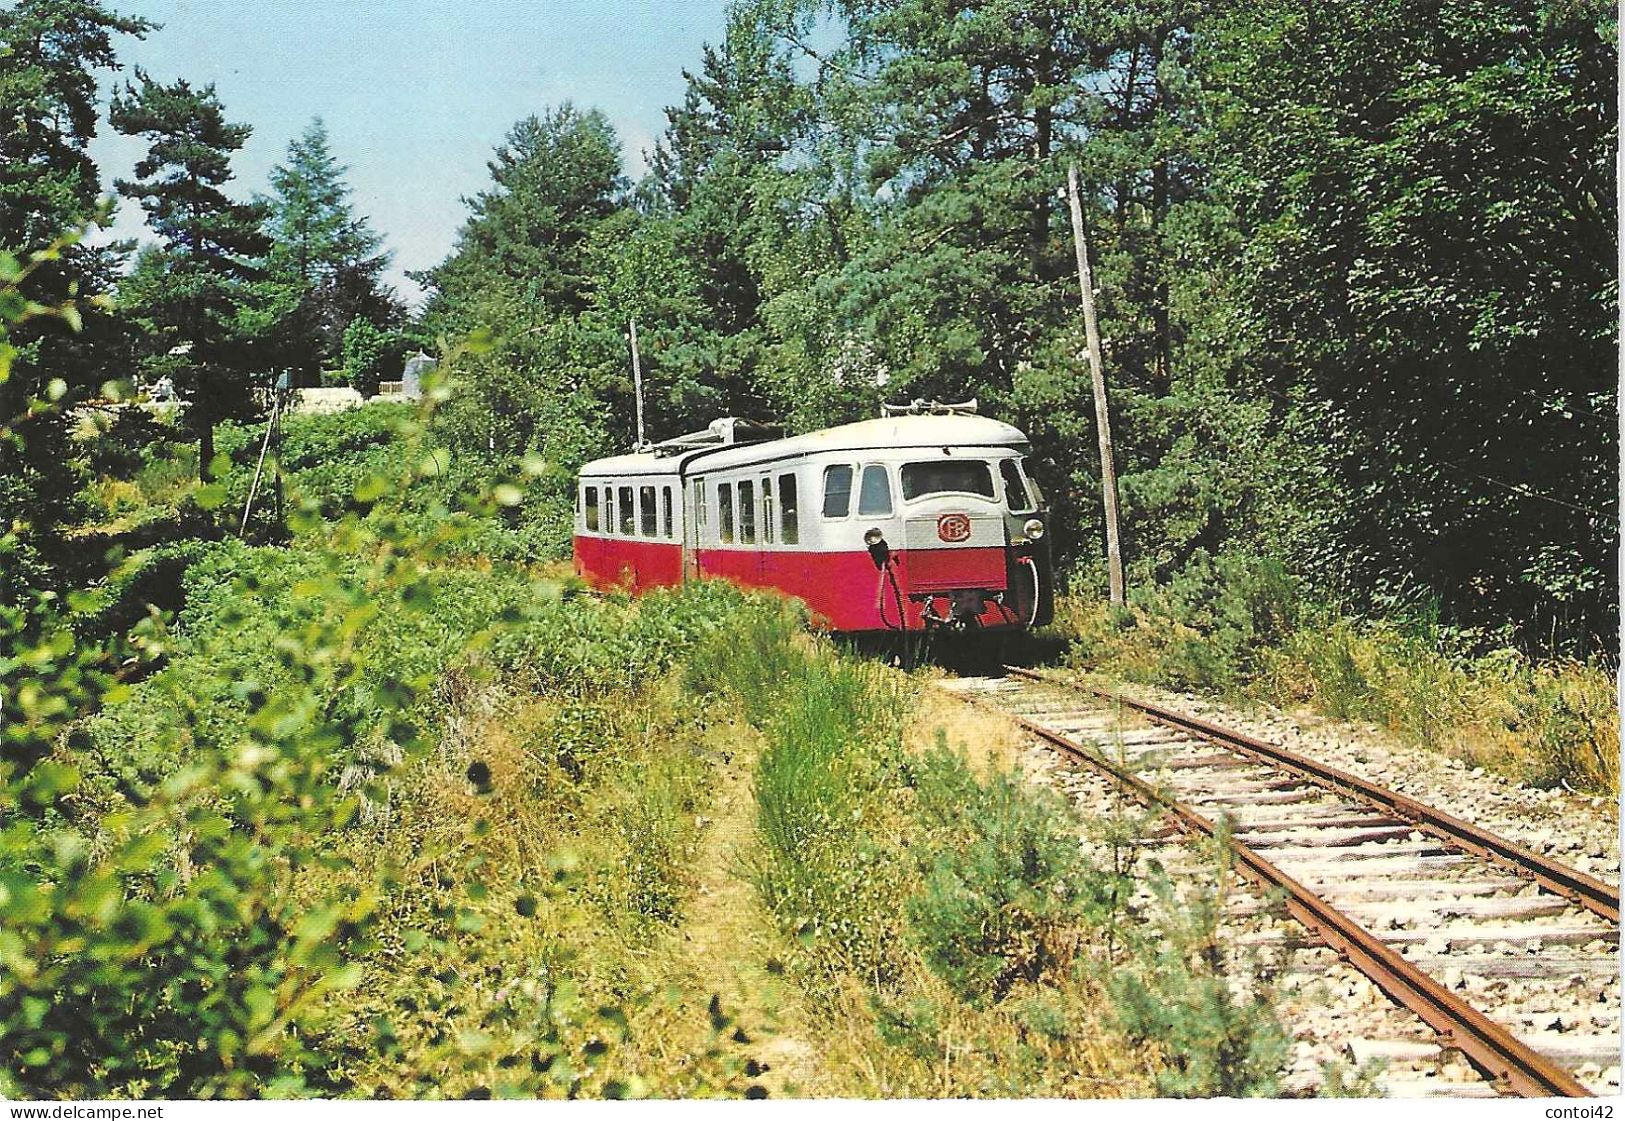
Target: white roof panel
[[885, 433]]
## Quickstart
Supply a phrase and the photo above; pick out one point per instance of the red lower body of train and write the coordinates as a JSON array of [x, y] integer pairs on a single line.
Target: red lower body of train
[[916, 589]]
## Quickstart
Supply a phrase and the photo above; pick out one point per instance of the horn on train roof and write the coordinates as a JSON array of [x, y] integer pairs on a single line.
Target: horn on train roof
[[921, 407]]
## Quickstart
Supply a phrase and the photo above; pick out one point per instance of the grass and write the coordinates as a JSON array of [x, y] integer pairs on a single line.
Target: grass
[[1550, 723], [550, 897], [936, 908], [569, 846]]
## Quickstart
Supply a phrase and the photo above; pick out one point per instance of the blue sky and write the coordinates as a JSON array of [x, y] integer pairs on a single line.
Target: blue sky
[[415, 93]]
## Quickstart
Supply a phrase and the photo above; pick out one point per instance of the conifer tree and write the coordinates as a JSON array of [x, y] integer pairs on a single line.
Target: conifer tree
[[50, 51], [553, 180], [50, 54], [326, 264], [190, 293]]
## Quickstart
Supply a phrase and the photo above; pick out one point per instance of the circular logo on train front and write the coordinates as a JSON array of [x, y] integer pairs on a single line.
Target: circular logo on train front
[[953, 528]]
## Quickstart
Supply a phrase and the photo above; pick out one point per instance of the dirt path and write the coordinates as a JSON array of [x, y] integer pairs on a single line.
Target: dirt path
[[729, 944]]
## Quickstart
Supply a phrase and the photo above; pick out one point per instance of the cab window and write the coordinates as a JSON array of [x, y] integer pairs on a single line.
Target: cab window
[[1016, 494], [874, 493], [591, 504], [725, 512], [947, 476], [837, 491]]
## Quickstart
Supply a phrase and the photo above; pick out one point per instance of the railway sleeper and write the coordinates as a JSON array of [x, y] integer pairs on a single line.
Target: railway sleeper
[[1357, 890], [1566, 970], [1285, 856], [1317, 835], [1370, 820], [1325, 874], [1252, 817], [1296, 796], [1429, 910], [1207, 763], [1575, 1051], [1197, 793], [1510, 940]]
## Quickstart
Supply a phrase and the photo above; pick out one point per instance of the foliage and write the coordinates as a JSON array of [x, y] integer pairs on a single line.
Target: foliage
[[1443, 299], [1237, 626], [370, 355], [552, 179], [51, 53], [190, 295], [1006, 890], [324, 266], [1181, 991]]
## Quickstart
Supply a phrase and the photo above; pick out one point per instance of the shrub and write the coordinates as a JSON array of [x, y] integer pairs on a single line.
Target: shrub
[[1006, 891], [1216, 1036], [1239, 627]]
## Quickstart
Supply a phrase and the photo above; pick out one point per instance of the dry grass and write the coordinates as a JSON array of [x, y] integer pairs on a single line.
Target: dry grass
[[989, 741], [1552, 723], [551, 892]]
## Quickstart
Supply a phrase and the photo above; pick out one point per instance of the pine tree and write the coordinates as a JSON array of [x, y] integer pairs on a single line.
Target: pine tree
[[554, 179], [50, 53], [190, 293], [326, 264]]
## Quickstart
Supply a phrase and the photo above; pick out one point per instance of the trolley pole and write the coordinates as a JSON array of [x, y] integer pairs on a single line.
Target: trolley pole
[[1097, 374], [637, 375]]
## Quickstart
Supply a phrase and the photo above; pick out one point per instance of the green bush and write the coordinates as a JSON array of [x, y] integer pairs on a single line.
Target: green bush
[[1006, 892], [1177, 990]]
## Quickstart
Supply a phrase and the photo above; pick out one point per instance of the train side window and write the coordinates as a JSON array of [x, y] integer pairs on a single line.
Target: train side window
[[628, 512], [702, 514], [837, 491], [665, 513], [770, 525], [725, 512], [874, 493], [1016, 494], [647, 516], [788, 513], [747, 512], [592, 509]]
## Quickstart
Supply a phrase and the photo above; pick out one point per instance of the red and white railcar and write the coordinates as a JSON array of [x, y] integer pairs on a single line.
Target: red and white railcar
[[913, 521]]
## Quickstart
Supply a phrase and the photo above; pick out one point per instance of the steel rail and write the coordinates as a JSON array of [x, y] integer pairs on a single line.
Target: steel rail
[[1495, 1051], [1599, 898]]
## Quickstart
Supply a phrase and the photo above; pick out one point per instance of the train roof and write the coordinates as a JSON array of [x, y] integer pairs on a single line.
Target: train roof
[[885, 433]]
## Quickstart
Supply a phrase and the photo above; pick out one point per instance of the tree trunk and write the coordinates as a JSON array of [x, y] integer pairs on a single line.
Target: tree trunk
[[1162, 371], [205, 446]]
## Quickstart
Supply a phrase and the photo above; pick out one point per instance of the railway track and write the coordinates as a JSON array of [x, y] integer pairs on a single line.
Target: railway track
[[1432, 909]]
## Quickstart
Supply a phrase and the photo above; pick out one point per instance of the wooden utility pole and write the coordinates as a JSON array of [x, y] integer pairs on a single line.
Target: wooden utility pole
[[1097, 376], [637, 376]]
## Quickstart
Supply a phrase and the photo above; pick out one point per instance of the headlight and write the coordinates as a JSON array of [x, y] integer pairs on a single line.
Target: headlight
[[1034, 529], [873, 537]]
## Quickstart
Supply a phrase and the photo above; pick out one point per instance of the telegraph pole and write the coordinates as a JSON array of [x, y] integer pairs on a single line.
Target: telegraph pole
[[1097, 375], [637, 376]]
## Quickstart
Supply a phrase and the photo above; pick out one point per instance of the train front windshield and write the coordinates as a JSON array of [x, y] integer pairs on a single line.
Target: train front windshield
[[947, 476]]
